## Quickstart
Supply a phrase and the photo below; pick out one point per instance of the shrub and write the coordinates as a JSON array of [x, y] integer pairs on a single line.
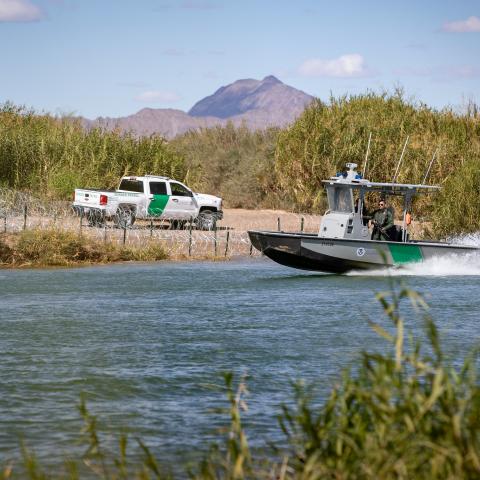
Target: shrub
[[234, 163], [62, 248], [5, 252], [52, 247]]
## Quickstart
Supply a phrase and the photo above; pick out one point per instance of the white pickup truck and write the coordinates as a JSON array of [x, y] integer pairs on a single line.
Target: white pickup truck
[[148, 197]]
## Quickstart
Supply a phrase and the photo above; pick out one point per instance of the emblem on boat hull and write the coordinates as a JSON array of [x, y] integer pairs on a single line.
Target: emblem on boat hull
[[360, 252]]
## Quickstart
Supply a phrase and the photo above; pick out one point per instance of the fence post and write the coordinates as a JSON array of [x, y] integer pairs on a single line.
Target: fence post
[[25, 210], [151, 227], [215, 235], [81, 221], [251, 248], [5, 224], [301, 224], [278, 224], [124, 234], [190, 237], [226, 246], [105, 232]]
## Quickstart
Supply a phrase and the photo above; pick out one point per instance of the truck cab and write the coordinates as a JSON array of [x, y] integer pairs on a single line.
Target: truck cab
[[162, 197]]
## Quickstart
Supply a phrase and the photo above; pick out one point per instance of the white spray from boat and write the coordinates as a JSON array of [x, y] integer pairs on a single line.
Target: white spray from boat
[[447, 266]]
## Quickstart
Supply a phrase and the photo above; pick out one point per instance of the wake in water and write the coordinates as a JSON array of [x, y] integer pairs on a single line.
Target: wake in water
[[453, 265], [470, 239]]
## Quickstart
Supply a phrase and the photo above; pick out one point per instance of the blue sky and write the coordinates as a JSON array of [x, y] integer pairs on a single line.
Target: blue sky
[[112, 58]]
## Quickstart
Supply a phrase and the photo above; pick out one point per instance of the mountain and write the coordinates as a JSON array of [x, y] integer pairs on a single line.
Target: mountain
[[148, 121], [256, 103]]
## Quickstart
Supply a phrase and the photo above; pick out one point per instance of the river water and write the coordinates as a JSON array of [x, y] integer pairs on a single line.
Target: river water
[[146, 344]]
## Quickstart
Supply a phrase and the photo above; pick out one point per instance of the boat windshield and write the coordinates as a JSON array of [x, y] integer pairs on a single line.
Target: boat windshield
[[340, 199]]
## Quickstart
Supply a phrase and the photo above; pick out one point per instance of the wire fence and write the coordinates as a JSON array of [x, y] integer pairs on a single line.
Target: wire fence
[[228, 238]]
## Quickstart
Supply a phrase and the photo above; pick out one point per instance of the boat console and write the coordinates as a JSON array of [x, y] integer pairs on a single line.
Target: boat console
[[345, 217]]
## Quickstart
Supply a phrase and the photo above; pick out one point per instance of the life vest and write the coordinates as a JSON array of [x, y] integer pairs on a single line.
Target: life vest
[[408, 218]]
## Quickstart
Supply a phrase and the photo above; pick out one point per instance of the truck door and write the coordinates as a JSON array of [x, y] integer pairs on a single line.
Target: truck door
[[159, 199], [183, 201]]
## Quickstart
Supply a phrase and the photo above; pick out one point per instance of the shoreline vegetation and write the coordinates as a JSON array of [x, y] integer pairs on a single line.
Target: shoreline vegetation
[[275, 168], [63, 248], [404, 412], [58, 248]]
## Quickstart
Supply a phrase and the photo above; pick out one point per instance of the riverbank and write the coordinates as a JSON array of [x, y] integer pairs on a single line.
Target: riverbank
[[63, 248], [43, 239], [47, 237]]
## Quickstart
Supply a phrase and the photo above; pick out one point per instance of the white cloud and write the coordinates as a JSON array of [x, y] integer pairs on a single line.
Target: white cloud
[[350, 65], [157, 96], [19, 11], [471, 24]]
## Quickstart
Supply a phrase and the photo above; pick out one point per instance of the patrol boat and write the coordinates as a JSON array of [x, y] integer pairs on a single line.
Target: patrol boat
[[344, 241]]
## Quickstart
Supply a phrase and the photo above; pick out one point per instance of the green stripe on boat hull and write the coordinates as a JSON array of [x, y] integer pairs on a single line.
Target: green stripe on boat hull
[[405, 253]]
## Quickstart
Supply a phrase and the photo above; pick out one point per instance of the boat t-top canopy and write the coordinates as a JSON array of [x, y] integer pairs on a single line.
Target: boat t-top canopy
[[388, 188], [353, 180]]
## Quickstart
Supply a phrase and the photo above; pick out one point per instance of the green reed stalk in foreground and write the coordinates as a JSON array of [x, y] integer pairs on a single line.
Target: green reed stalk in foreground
[[404, 414]]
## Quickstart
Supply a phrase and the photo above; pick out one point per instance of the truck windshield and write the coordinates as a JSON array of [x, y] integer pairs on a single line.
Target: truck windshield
[[131, 185], [340, 199]]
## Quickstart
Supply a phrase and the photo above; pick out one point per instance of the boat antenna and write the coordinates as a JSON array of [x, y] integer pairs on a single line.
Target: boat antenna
[[366, 155], [429, 166], [400, 161]]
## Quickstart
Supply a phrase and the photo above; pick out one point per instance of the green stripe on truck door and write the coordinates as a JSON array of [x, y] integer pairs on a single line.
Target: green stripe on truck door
[[157, 205], [405, 253]]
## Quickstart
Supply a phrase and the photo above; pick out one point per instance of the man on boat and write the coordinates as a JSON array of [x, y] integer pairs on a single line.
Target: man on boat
[[382, 221]]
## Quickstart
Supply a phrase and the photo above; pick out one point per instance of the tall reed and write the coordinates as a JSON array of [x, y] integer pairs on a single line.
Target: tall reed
[[328, 135], [53, 156]]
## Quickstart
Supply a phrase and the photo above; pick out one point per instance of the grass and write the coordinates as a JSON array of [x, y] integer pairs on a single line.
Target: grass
[[403, 414], [62, 248]]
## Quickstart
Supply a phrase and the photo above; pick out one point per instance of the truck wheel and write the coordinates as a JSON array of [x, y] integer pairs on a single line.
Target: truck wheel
[[77, 210], [206, 220], [178, 224], [124, 217], [95, 218], [182, 224]]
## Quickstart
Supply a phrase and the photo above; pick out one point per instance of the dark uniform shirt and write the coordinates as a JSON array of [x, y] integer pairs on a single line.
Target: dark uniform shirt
[[383, 220]]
